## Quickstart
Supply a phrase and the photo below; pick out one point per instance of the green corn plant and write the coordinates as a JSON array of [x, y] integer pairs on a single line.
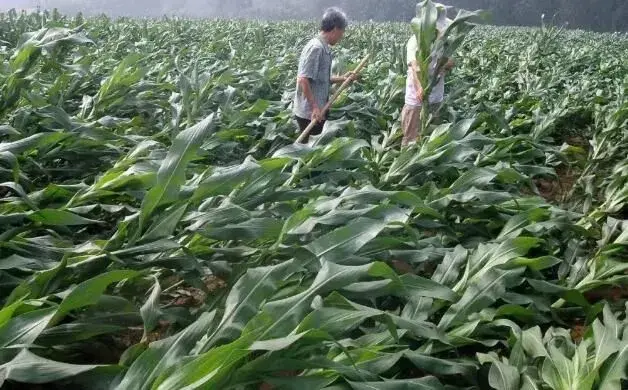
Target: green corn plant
[[434, 45], [160, 230], [595, 362]]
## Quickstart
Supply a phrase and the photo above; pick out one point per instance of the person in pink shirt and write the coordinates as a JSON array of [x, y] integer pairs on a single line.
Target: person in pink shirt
[[414, 100]]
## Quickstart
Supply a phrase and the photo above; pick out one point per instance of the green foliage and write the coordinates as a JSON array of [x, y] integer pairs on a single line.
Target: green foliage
[[159, 229]]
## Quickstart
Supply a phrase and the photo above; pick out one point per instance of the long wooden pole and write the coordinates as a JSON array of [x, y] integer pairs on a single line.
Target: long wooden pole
[[331, 101]]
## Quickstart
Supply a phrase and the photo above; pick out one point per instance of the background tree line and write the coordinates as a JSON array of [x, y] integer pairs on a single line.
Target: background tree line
[[599, 15]]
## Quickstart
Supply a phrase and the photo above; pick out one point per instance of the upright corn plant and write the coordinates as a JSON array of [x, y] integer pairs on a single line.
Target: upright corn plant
[[432, 45]]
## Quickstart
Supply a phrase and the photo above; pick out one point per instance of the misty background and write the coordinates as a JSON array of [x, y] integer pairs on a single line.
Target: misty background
[[598, 15]]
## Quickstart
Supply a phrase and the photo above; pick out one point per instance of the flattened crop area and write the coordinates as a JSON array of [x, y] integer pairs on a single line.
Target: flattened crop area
[[159, 228]]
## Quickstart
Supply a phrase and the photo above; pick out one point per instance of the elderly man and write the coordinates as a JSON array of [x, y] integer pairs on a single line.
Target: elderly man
[[411, 114], [314, 76]]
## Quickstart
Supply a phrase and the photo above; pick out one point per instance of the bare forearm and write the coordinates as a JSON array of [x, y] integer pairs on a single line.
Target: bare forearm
[[450, 64], [415, 75], [338, 79]]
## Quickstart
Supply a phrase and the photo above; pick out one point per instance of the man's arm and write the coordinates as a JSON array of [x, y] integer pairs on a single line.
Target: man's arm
[[308, 71], [304, 84], [450, 64], [338, 79], [341, 79], [447, 67], [416, 81]]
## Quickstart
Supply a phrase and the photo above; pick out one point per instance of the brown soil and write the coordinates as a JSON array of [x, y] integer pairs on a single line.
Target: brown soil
[[188, 297], [611, 294], [194, 297], [184, 296], [556, 190], [133, 336], [402, 267], [577, 333], [577, 140]]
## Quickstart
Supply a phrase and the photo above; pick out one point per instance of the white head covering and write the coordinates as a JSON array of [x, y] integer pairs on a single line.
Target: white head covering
[[443, 21]]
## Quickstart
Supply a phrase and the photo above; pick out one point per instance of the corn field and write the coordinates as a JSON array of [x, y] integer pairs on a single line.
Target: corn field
[[159, 228]]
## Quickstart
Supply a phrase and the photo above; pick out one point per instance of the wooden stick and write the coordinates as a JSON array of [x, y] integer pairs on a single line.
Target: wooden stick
[[335, 96]]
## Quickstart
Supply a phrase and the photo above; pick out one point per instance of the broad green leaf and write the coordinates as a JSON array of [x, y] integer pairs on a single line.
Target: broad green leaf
[[163, 355], [165, 226], [615, 369], [7, 312], [492, 255], [54, 217], [518, 358], [336, 321], [478, 177], [24, 329], [20, 191], [276, 319], [481, 294], [171, 175], [17, 261], [503, 376], [538, 263], [529, 383], [275, 345], [8, 130], [343, 312], [224, 179], [346, 241], [75, 332], [427, 383], [151, 247], [516, 223], [417, 287], [288, 312], [446, 274], [246, 298], [570, 295], [253, 229], [606, 343], [556, 371], [150, 310], [31, 142], [30, 368], [376, 363], [206, 370], [225, 215], [332, 218], [437, 366], [88, 292], [310, 382], [532, 342], [38, 285]]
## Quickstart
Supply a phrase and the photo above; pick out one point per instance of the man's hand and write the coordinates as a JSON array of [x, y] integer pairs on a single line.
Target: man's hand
[[351, 76], [450, 64], [317, 114]]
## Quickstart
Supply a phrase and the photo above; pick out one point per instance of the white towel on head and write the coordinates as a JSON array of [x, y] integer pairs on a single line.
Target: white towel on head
[[443, 21]]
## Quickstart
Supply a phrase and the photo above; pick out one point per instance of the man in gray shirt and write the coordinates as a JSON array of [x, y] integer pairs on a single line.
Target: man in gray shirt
[[314, 77]]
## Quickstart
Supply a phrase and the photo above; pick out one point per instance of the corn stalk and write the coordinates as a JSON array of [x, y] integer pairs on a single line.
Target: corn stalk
[[432, 45]]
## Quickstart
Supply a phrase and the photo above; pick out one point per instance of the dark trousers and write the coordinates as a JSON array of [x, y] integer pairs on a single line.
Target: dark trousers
[[304, 123]]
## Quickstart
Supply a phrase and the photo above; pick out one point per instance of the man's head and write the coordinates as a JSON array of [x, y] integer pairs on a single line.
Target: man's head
[[442, 22], [333, 25]]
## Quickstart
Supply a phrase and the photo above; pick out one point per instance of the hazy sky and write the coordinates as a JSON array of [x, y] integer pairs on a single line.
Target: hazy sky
[[602, 15]]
